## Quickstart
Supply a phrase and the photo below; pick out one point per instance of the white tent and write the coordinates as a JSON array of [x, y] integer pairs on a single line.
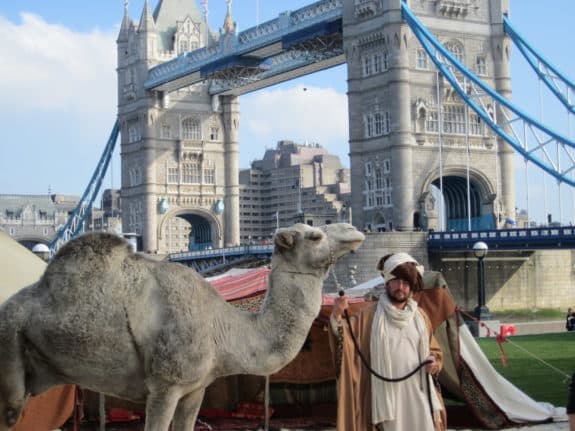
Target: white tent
[[19, 267]]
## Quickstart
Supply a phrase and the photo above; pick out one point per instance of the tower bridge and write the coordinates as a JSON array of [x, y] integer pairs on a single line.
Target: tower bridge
[[179, 116], [433, 132]]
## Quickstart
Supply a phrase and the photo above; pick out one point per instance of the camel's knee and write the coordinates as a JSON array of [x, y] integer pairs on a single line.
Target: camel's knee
[[9, 416]]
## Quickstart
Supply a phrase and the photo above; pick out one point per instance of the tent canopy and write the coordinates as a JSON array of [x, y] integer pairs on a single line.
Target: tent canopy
[[19, 267]]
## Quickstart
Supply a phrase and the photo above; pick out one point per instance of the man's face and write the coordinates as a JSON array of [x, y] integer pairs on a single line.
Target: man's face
[[398, 290]]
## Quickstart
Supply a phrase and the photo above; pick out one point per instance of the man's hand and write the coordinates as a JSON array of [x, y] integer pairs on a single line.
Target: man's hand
[[432, 368], [339, 306]]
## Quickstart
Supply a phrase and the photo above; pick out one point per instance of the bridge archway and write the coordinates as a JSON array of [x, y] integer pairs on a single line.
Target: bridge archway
[[457, 201], [189, 230]]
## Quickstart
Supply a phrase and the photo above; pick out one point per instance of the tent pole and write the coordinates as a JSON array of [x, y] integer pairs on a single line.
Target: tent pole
[[102, 411], [267, 404]]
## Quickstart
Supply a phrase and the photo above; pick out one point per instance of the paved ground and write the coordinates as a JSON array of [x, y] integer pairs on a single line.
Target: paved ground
[[560, 426]]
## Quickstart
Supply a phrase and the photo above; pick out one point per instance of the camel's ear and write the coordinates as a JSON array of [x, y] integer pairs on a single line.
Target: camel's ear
[[284, 239], [315, 235]]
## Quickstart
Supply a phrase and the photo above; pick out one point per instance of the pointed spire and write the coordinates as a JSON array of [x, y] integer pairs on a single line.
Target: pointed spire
[[147, 20], [126, 23], [229, 26]]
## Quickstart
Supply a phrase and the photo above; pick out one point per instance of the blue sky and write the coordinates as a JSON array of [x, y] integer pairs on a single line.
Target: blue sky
[[58, 86]]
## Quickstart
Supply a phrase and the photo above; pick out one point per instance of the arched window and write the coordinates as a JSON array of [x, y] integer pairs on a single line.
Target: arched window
[[191, 129], [183, 47], [456, 49]]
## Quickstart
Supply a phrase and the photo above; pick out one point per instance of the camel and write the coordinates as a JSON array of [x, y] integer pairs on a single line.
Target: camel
[[116, 322]]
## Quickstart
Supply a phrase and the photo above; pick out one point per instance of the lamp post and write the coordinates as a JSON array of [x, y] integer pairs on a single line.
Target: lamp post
[[480, 251]]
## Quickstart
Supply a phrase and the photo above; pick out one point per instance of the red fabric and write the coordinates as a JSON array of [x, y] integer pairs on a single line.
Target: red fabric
[[49, 410], [233, 287]]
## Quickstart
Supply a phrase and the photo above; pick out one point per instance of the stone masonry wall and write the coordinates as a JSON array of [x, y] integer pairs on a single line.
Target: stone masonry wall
[[514, 280]]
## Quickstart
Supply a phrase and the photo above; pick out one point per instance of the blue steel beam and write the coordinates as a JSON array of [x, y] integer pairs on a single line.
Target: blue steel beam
[[75, 223], [542, 138], [556, 81], [269, 41]]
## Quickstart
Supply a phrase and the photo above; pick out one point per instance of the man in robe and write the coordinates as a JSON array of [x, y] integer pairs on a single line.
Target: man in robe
[[394, 336]]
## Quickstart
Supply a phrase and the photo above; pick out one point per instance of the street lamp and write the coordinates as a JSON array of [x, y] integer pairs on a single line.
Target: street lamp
[[480, 251], [42, 251]]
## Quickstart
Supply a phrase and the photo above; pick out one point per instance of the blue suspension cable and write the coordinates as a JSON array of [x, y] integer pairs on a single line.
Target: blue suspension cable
[[84, 207], [440, 55]]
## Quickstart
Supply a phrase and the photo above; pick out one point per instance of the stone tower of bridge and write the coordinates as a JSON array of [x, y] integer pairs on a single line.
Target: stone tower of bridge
[[179, 150], [409, 138]]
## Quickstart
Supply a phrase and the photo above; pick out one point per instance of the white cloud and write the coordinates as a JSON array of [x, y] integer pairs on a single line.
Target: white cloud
[[298, 113], [46, 66]]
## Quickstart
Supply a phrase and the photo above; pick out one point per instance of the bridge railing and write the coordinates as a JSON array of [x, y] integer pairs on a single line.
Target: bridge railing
[[506, 239], [249, 249]]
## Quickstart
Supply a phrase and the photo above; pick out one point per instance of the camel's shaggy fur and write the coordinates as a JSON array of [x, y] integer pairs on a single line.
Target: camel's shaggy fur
[[116, 322]]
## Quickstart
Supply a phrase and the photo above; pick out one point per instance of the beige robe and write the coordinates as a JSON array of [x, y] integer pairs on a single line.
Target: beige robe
[[354, 381]]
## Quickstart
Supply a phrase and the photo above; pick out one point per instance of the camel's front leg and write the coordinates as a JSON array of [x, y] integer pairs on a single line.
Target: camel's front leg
[[160, 406], [187, 410]]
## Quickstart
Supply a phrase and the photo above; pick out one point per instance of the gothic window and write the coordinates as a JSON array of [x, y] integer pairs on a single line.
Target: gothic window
[[385, 60], [368, 126], [432, 121], [165, 131], [379, 201], [183, 47], [387, 199], [173, 176], [191, 173], [369, 184], [421, 59], [454, 119], [386, 166], [214, 133], [387, 182], [377, 123], [210, 173], [481, 66], [378, 120], [377, 67], [367, 65], [135, 176], [368, 168], [456, 49], [191, 129], [379, 179], [194, 45], [133, 131], [475, 124], [369, 200]]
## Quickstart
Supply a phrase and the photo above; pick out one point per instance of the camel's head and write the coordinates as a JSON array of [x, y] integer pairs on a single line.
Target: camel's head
[[307, 249]]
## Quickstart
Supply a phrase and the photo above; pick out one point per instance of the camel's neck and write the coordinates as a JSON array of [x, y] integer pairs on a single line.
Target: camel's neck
[[274, 336]]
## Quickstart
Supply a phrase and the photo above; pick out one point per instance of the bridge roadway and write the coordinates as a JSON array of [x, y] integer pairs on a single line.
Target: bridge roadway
[[518, 239], [296, 43]]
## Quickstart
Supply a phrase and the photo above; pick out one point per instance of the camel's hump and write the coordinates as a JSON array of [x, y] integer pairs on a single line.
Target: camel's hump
[[101, 243]]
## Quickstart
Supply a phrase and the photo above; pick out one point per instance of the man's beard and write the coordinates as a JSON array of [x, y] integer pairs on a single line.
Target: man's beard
[[398, 297]]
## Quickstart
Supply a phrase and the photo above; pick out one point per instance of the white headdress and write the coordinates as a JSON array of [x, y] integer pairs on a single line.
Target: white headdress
[[394, 261]]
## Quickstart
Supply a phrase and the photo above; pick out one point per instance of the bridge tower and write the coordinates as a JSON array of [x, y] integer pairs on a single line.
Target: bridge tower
[[179, 150], [410, 134]]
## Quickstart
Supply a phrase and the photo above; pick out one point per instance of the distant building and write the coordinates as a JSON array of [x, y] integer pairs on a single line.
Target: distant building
[[293, 183], [35, 219]]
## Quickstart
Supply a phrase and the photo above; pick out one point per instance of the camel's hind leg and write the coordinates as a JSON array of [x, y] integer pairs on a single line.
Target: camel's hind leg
[[160, 407], [187, 411], [12, 384]]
